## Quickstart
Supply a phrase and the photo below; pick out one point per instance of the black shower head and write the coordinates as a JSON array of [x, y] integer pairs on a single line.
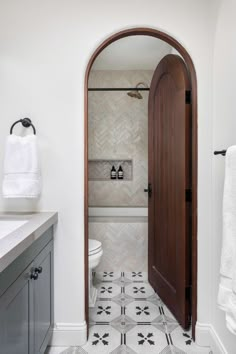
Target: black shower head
[[136, 93]]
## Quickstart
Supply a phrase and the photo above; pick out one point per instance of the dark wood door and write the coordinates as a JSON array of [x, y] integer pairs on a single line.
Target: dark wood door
[[170, 180]]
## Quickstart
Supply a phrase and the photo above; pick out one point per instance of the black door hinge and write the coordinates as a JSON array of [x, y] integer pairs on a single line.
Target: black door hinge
[[188, 292], [188, 195], [188, 97]]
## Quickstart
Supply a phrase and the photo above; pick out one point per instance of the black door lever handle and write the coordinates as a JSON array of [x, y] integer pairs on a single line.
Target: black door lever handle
[[149, 190]]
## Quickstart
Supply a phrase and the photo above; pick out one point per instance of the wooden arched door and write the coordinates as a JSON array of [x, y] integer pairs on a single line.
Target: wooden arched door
[[170, 181], [189, 63]]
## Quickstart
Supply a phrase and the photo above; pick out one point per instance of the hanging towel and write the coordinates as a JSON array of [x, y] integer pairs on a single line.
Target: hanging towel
[[227, 286], [21, 167]]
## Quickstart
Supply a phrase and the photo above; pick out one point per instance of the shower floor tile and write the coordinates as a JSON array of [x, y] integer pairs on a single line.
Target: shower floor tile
[[130, 318]]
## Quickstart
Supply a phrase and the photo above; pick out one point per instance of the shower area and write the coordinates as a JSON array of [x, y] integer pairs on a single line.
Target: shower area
[[118, 167]]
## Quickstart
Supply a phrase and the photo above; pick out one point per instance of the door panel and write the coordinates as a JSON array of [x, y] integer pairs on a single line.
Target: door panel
[[16, 317], [170, 176], [43, 312]]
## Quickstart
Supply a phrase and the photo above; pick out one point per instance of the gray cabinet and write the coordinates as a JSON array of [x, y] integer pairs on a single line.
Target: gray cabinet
[[26, 300], [15, 316]]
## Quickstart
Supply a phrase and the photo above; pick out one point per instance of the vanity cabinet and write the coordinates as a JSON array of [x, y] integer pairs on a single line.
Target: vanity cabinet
[[26, 300], [15, 316]]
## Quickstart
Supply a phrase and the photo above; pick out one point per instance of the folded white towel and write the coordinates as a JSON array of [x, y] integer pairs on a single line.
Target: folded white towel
[[21, 168], [227, 286]]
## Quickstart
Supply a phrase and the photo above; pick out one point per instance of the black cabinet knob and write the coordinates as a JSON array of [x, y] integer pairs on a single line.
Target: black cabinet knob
[[38, 270], [34, 276]]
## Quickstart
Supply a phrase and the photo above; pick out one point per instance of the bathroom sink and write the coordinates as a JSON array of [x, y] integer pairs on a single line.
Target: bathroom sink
[[8, 226]]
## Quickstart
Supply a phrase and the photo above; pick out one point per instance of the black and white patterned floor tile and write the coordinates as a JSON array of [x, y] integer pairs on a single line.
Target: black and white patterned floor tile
[[129, 318]]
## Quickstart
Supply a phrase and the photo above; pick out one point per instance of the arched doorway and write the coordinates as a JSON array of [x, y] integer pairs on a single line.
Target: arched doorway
[[192, 74]]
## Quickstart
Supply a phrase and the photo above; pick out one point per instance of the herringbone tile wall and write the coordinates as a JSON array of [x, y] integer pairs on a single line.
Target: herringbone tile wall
[[124, 245], [118, 129]]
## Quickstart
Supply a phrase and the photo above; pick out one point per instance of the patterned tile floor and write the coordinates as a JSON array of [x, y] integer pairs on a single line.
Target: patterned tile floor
[[129, 318]]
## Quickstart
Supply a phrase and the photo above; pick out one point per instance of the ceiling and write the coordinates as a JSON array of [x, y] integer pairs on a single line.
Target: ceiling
[[132, 53]]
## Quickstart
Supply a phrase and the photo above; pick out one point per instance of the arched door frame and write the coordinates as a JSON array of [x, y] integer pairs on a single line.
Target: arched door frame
[[192, 73]]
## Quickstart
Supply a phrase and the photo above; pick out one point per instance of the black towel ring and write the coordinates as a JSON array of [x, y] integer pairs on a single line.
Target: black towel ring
[[26, 122]]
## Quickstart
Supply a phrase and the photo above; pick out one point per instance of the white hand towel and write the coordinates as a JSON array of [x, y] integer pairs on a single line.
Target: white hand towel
[[227, 286], [21, 168]]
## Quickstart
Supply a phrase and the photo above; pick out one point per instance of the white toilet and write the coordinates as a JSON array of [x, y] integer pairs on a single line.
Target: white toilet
[[95, 254]]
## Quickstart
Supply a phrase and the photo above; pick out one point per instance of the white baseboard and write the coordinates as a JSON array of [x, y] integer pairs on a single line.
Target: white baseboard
[[206, 336], [69, 334]]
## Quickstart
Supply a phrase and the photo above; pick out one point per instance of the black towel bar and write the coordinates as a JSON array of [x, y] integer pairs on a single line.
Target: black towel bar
[[221, 152], [26, 122]]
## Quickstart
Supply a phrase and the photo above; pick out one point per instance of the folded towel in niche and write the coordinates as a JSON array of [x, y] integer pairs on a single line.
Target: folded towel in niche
[[227, 286], [21, 168]]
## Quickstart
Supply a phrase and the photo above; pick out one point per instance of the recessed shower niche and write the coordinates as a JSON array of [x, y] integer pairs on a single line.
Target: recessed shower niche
[[100, 170]]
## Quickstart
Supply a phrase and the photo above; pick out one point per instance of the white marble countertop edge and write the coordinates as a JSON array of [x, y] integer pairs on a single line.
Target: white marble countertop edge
[[16, 242]]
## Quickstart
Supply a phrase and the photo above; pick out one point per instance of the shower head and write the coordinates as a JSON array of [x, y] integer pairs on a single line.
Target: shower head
[[136, 93]]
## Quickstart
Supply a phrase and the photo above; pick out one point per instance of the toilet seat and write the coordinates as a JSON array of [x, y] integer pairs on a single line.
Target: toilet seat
[[94, 247], [95, 254]]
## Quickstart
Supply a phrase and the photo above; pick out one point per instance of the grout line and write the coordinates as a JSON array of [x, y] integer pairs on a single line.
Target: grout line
[[167, 338], [161, 310], [171, 342]]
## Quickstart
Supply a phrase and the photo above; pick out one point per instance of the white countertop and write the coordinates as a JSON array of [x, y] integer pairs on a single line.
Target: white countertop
[[17, 241]]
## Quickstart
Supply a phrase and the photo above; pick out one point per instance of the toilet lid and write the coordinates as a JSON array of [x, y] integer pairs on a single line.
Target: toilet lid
[[94, 246]]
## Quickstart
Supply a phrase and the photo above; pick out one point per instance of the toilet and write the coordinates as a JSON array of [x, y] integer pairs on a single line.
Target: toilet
[[95, 254]]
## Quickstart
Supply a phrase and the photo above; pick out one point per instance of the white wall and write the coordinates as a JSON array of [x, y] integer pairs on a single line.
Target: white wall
[[146, 53], [45, 47], [224, 135]]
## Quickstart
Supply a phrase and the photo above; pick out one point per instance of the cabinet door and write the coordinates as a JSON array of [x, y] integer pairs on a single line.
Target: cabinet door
[[43, 298], [16, 316]]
